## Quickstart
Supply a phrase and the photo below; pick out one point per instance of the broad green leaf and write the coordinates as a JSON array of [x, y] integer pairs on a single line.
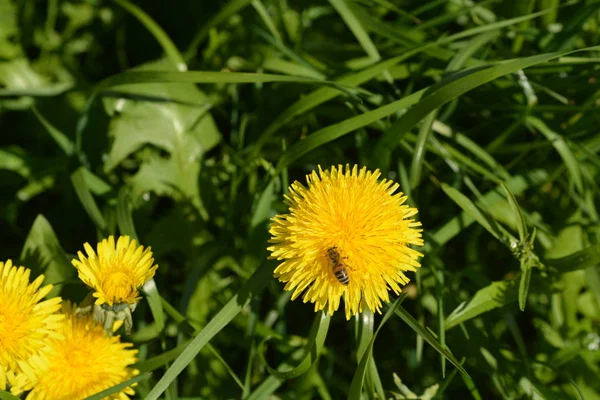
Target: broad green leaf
[[43, 253], [168, 116], [495, 295], [314, 345], [252, 287], [117, 388], [7, 396], [182, 127]]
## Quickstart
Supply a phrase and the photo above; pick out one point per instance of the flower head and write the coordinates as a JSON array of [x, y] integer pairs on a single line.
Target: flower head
[[85, 362], [346, 233], [26, 322], [116, 271]]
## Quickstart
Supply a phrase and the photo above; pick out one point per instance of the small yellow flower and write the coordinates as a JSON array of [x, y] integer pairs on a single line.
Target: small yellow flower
[[26, 322], [349, 220], [117, 271], [85, 362]]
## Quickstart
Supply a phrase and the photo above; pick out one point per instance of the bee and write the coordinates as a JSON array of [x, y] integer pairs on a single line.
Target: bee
[[339, 268]]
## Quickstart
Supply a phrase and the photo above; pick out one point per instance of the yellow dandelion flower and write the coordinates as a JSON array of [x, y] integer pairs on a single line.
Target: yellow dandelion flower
[[26, 322], [116, 271], [346, 234], [85, 362]]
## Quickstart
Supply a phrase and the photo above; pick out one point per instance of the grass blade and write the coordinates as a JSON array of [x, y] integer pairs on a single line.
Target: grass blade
[[117, 388], [428, 337], [563, 150], [252, 287], [447, 90], [342, 7], [495, 295], [159, 34], [316, 340], [356, 386], [335, 131], [85, 196]]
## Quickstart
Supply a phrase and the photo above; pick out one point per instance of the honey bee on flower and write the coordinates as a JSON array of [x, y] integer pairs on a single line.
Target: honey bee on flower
[[348, 234]]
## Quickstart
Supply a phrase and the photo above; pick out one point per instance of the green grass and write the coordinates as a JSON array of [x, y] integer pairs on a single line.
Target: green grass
[[183, 123]]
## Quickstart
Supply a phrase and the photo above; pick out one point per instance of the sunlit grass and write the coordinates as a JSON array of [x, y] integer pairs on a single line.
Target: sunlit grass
[[183, 124]]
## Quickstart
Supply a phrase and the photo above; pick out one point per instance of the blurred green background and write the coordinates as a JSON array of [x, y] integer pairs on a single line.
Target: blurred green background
[[183, 123]]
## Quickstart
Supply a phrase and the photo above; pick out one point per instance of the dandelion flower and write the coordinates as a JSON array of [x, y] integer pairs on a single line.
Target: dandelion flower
[[85, 362], [116, 270], [349, 222], [26, 322]]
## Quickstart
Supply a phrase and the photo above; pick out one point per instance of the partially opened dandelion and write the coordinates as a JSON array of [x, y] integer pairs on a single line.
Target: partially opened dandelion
[[347, 233], [85, 362], [27, 322], [115, 272]]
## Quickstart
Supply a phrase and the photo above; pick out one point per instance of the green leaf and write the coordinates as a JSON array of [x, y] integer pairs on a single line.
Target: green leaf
[[43, 253], [332, 132], [181, 126], [117, 388], [14, 159], [86, 199], [495, 295], [7, 396], [526, 266], [520, 218], [252, 287], [586, 258], [428, 337], [447, 90], [313, 348]]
